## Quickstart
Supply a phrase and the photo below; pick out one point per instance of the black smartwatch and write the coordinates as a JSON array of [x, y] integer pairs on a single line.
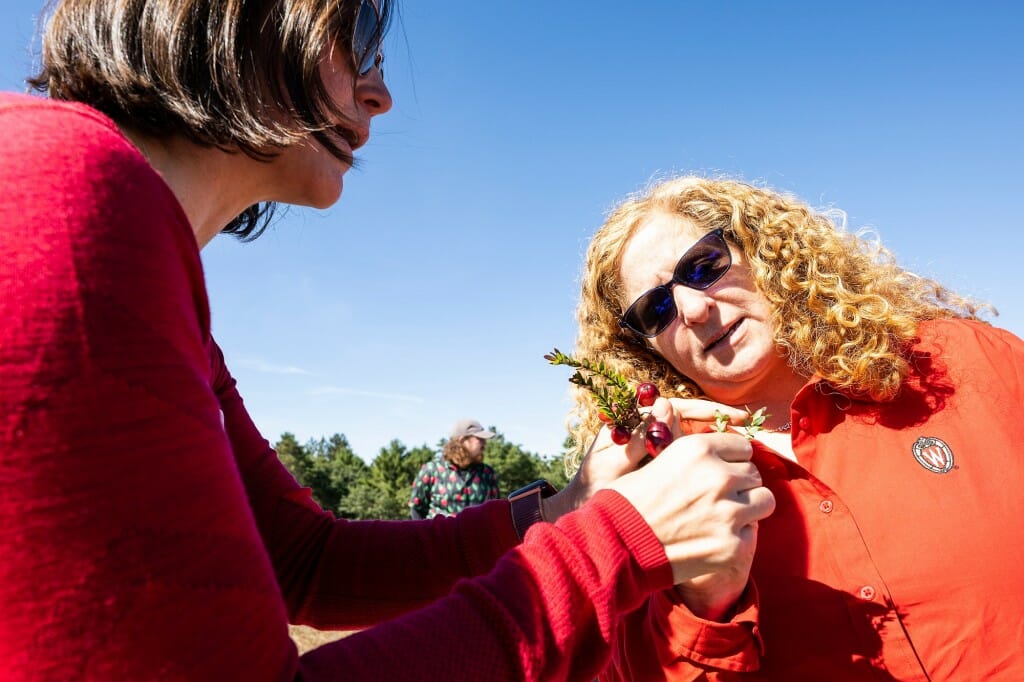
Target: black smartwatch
[[526, 505]]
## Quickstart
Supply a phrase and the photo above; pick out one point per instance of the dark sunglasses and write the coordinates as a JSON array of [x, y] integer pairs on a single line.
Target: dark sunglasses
[[702, 265], [367, 37]]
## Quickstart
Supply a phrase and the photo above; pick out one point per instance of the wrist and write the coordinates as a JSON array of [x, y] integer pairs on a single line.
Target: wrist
[[558, 505], [527, 505], [718, 606]]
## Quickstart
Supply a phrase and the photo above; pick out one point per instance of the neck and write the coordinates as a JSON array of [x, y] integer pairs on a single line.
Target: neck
[[777, 410], [776, 397], [213, 186]]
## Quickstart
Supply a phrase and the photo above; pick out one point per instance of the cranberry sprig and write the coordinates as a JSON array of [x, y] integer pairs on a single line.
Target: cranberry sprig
[[618, 403], [751, 425]]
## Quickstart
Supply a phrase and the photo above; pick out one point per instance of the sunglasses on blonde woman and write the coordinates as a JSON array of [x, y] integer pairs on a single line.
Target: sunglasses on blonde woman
[[367, 38], [702, 265]]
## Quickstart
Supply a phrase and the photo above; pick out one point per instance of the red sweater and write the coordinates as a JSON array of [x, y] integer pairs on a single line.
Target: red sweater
[[141, 537], [895, 549]]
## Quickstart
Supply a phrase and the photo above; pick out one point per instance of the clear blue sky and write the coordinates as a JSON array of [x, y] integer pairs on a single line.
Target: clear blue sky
[[451, 264]]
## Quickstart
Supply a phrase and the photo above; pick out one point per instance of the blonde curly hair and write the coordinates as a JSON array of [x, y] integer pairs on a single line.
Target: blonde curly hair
[[841, 306]]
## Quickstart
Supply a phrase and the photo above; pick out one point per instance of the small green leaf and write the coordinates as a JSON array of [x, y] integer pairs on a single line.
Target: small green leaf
[[614, 396]]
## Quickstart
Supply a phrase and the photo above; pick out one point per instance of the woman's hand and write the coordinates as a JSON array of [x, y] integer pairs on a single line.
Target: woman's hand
[[606, 461], [725, 512], [712, 596], [703, 498], [695, 415]]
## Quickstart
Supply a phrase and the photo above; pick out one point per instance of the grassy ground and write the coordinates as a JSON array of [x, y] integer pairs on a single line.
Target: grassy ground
[[307, 638]]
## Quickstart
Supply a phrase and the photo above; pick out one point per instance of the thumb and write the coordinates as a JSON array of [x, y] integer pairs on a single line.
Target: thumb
[[663, 411]]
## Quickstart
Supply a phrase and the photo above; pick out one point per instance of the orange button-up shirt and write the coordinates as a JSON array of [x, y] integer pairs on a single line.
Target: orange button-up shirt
[[896, 551]]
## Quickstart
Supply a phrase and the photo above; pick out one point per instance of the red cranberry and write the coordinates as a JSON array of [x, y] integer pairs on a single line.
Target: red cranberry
[[657, 438], [604, 416], [646, 394], [621, 435]]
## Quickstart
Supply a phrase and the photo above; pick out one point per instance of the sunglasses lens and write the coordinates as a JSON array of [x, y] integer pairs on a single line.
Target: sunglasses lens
[[651, 313], [701, 266], [366, 38], [704, 264]]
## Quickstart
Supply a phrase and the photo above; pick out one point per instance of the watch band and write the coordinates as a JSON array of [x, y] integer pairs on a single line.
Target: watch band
[[526, 505]]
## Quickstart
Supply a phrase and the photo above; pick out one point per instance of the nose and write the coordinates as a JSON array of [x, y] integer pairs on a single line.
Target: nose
[[693, 305], [372, 93]]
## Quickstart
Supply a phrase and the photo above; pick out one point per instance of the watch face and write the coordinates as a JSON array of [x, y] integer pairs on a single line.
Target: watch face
[[526, 505], [546, 489]]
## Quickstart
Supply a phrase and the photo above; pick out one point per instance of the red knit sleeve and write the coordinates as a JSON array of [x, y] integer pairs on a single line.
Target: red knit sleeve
[[541, 603], [127, 549], [546, 612], [134, 531], [336, 573]]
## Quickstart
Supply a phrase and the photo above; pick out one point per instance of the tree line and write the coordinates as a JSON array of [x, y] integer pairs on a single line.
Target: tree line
[[350, 487]]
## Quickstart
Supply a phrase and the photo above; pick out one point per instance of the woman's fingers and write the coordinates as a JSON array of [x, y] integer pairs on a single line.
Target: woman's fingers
[[694, 414], [701, 497]]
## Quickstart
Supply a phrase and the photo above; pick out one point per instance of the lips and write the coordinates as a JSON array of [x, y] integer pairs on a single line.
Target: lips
[[361, 136], [354, 138], [722, 336]]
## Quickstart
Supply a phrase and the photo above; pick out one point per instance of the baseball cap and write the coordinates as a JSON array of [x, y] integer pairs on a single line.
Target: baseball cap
[[470, 427]]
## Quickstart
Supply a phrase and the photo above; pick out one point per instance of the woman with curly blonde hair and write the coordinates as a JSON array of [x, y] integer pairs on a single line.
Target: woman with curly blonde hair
[[884, 442]]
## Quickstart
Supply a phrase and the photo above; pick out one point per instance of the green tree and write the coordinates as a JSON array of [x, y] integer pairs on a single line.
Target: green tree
[[344, 467], [384, 492], [344, 484], [417, 458], [515, 466], [553, 470], [326, 465], [293, 456]]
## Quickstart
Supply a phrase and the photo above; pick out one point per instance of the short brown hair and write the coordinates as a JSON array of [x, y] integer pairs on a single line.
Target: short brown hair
[[226, 73]]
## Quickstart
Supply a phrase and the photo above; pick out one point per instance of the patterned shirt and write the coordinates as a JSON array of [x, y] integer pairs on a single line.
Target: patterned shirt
[[442, 488]]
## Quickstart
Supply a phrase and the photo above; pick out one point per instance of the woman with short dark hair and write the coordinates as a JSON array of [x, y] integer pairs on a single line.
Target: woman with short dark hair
[[147, 530]]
